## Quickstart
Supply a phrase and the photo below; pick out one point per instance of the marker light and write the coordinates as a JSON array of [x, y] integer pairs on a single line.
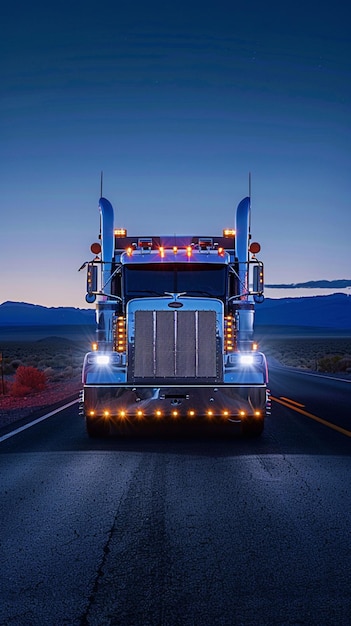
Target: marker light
[[162, 252], [220, 251], [255, 346], [228, 334], [175, 249], [246, 359], [102, 359], [129, 251], [189, 251], [120, 232], [120, 335], [94, 346], [228, 232]]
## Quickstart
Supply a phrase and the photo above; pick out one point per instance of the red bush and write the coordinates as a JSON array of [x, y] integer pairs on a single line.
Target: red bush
[[28, 379]]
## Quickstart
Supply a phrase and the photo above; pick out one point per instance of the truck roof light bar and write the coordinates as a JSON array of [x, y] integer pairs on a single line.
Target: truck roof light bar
[[228, 232], [120, 232]]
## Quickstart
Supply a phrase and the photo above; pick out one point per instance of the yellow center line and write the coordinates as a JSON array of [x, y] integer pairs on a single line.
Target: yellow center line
[[288, 404], [292, 402]]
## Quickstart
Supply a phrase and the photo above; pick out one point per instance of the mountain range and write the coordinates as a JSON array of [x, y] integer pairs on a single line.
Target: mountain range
[[328, 312]]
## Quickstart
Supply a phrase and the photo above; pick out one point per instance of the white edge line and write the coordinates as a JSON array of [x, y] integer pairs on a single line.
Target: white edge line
[[296, 371], [39, 419]]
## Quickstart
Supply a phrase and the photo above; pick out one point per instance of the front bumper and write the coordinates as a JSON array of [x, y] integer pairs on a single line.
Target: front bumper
[[235, 403]]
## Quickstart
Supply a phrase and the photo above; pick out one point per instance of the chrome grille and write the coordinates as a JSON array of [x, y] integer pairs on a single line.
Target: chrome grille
[[175, 344]]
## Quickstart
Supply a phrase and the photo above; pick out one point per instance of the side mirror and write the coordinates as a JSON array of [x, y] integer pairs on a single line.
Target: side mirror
[[258, 279], [92, 279]]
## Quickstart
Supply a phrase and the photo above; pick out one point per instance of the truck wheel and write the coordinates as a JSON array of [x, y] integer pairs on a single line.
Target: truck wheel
[[252, 428], [97, 427]]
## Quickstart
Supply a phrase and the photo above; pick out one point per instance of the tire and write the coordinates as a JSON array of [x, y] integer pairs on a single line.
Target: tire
[[97, 427], [252, 427]]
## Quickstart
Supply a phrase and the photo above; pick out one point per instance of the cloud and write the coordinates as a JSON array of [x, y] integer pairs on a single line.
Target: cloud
[[315, 284]]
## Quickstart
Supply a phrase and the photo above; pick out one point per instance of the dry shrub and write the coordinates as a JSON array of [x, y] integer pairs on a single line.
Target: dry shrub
[[27, 379], [334, 363], [49, 373]]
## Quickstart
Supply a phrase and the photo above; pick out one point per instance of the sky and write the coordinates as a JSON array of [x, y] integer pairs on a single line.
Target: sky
[[176, 103]]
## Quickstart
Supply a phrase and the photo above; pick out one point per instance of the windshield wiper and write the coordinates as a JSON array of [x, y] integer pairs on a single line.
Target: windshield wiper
[[203, 293], [149, 291]]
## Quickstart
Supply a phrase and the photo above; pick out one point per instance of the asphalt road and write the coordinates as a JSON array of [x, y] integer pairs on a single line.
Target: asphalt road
[[192, 531]]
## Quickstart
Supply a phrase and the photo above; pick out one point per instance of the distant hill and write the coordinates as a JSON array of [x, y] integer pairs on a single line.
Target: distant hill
[[329, 312], [24, 314]]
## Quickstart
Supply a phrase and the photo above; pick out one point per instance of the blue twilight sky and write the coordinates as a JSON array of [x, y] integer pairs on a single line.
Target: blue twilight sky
[[176, 102]]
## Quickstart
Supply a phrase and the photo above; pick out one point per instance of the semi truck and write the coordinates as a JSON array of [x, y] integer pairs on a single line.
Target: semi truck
[[174, 330]]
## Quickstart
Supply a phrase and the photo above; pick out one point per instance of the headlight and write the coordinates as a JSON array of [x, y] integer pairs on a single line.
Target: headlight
[[102, 359], [246, 359]]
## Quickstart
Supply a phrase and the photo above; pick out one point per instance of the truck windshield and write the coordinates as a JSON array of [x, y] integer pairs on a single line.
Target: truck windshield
[[198, 279]]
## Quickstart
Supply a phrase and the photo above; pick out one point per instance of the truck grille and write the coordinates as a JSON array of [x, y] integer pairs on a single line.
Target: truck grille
[[175, 344]]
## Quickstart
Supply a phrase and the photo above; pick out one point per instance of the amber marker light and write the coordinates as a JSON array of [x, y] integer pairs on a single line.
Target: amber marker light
[[158, 413], [162, 252], [129, 251], [189, 251], [191, 413], [91, 413], [94, 346], [121, 335], [106, 413], [242, 413], [257, 413], [228, 232], [120, 232], [139, 413], [175, 413], [255, 346], [225, 413], [122, 414], [175, 249]]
